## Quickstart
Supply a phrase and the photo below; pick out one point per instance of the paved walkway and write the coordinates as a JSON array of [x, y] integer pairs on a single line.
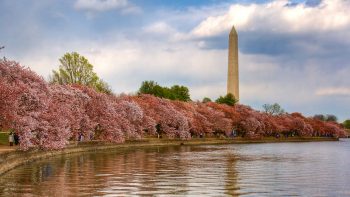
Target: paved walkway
[[4, 148]]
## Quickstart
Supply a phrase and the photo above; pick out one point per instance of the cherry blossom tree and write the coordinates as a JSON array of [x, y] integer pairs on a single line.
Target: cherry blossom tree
[[74, 102], [170, 121], [7, 103], [197, 122], [102, 112], [32, 109], [48, 116]]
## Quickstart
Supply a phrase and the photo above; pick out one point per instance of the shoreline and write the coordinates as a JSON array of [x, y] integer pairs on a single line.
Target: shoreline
[[15, 158]]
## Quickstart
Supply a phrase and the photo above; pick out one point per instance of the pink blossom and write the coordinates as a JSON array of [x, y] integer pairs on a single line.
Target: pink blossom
[[48, 116]]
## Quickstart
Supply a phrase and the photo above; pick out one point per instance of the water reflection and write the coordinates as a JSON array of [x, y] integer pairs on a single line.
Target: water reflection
[[182, 170], [296, 169]]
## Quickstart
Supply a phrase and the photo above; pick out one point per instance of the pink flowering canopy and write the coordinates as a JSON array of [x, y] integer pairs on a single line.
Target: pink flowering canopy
[[48, 116]]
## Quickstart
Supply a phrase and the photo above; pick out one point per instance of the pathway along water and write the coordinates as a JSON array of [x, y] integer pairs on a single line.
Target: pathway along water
[[278, 169]]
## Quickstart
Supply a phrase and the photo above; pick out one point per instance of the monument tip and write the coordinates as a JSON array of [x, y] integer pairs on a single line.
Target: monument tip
[[233, 31]]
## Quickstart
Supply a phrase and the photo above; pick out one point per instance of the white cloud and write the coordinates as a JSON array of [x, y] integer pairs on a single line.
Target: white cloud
[[276, 16], [135, 61], [105, 5], [162, 28], [214, 25], [159, 28], [333, 91]]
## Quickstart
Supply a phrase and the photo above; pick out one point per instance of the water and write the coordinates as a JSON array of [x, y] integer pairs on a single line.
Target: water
[[283, 169]]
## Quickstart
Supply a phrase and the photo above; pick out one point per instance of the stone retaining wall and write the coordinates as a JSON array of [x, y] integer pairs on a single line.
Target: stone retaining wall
[[12, 159]]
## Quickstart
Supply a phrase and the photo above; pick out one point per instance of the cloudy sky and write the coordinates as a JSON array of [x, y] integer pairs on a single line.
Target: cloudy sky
[[293, 52]]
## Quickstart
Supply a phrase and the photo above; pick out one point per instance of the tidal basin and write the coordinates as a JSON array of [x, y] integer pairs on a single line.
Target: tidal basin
[[271, 169]]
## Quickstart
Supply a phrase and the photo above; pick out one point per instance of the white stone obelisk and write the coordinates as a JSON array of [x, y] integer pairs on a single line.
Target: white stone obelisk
[[232, 76]]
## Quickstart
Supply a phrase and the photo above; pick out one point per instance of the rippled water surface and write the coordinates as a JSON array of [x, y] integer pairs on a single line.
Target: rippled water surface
[[283, 169]]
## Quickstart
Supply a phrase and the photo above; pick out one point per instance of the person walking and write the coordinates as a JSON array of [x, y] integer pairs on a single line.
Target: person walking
[[11, 138]]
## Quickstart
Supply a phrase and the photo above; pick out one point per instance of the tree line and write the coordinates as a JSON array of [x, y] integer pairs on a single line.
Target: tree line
[[49, 115], [76, 69]]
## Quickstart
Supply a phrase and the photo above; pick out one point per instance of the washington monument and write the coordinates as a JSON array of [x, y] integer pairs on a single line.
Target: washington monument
[[232, 76]]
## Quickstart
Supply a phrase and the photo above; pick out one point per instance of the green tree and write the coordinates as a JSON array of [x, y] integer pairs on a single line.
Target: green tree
[[326, 118], [206, 99], [152, 87], [346, 124], [274, 109], [102, 86], [148, 87], [167, 93], [180, 93], [320, 117], [176, 92], [229, 99], [76, 69], [331, 118]]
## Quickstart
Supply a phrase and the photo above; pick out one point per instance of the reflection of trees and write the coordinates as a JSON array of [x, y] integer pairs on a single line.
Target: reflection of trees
[[172, 170], [184, 170], [148, 171], [231, 186], [96, 173]]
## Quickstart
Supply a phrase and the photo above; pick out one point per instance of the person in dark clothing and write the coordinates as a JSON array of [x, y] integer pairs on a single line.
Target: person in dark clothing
[[81, 137], [16, 138]]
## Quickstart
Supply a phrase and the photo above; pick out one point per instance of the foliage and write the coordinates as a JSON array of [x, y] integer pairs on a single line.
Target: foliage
[[229, 99], [274, 109], [30, 111], [328, 117], [48, 116], [206, 99], [346, 124], [320, 117], [176, 92], [76, 69], [331, 118], [180, 93], [4, 136]]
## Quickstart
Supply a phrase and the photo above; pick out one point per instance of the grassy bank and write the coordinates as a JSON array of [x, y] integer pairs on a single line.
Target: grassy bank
[[3, 138]]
